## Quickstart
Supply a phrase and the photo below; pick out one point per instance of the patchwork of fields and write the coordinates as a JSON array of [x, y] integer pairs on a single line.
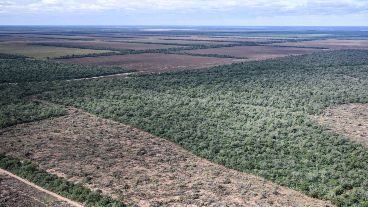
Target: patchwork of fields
[[153, 62], [255, 52], [125, 116], [43, 52], [112, 45], [334, 44]]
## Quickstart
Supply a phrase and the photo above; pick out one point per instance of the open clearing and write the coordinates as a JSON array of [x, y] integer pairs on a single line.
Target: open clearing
[[233, 38], [138, 166], [15, 193], [334, 44], [42, 52], [163, 40], [154, 62], [112, 45], [255, 52], [350, 120]]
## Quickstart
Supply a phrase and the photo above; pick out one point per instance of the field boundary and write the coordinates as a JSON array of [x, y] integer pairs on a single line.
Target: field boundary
[[59, 197], [279, 190]]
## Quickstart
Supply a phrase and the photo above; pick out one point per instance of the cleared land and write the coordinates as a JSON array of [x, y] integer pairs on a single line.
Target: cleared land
[[163, 40], [154, 62], [350, 120], [255, 52], [43, 52], [334, 44], [138, 166], [111, 45], [232, 38], [15, 193]]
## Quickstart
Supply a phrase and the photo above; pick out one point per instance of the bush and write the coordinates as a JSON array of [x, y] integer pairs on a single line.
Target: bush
[[56, 184]]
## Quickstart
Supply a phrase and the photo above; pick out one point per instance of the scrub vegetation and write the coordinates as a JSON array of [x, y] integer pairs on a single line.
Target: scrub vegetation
[[253, 117]]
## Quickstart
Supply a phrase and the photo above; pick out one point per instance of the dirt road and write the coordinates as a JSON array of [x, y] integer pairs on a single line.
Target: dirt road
[[66, 200]]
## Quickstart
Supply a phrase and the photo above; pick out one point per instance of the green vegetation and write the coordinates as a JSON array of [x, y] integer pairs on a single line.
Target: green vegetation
[[22, 112], [11, 56], [87, 55], [17, 107], [253, 117], [163, 50], [91, 47], [61, 186], [27, 70], [16, 73], [44, 52]]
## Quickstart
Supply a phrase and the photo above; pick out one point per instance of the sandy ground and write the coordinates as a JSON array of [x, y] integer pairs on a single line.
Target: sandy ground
[[138, 167], [17, 192], [350, 120]]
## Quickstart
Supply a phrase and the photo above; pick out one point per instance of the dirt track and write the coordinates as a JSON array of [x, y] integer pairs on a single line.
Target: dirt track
[[16, 191], [138, 167]]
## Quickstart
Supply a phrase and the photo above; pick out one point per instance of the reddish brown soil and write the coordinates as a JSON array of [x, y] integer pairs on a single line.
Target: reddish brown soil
[[231, 38], [156, 62], [14, 193], [113, 45], [170, 40], [332, 44], [137, 166], [255, 52], [350, 120]]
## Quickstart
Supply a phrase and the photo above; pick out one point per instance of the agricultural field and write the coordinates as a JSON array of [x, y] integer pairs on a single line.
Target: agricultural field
[[333, 44], [109, 45], [153, 62], [115, 45], [203, 117], [43, 52], [255, 52], [176, 41]]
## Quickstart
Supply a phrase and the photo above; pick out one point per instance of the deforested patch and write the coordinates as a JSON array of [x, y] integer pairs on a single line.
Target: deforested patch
[[137, 167], [350, 120]]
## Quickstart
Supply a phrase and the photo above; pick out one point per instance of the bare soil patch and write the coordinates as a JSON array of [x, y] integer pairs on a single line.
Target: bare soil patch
[[333, 44], [255, 52], [154, 62], [233, 38], [14, 193], [138, 166], [113, 45], [178, 41], [350, 120]]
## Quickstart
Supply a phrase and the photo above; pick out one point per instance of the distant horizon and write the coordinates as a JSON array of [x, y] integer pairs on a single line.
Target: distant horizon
[[185, 12], [186, 26]]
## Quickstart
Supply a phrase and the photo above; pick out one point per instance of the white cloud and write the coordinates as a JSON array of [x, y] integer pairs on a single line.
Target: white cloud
[[26, 6]]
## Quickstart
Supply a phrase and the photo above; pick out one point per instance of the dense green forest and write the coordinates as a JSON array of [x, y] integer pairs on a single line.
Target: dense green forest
[[76, 192], [253, 117], [17, 106], [14, 69]]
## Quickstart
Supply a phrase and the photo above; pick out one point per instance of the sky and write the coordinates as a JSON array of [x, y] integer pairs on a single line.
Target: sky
[[185, 12]]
